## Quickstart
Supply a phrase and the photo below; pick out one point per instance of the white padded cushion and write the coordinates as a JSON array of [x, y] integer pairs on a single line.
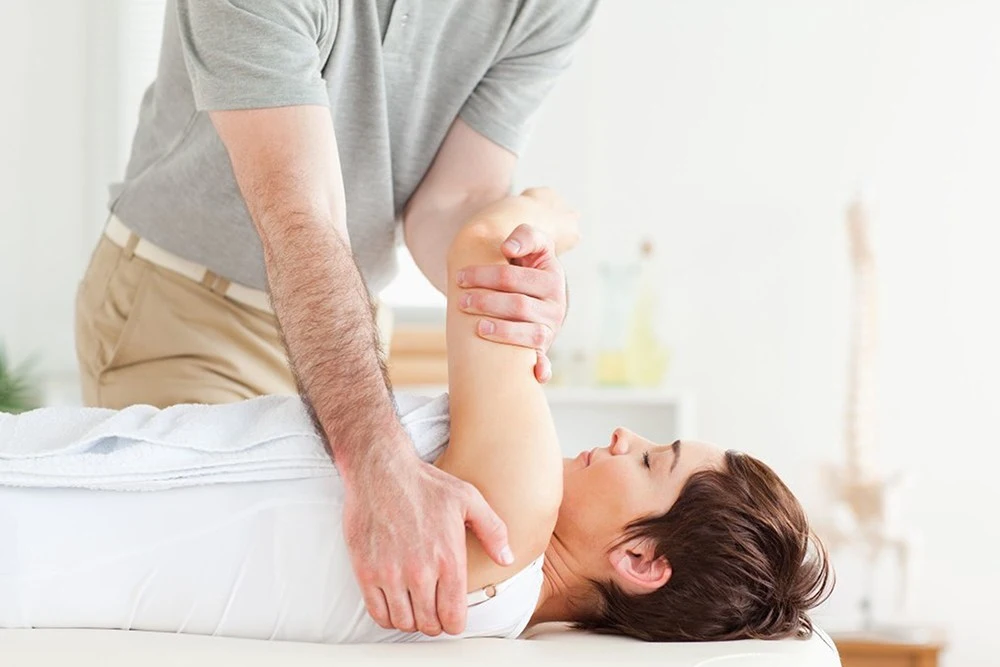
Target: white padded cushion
[[548, 645]]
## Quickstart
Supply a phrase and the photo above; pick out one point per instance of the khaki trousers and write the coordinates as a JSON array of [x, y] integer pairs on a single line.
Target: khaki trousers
[[145, 334]]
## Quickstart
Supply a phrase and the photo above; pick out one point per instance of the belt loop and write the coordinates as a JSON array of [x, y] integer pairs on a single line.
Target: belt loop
[[216, 283], [220, 286], [129, 248]]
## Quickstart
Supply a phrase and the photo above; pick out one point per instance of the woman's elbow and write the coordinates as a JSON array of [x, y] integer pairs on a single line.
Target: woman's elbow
[[478, 240]]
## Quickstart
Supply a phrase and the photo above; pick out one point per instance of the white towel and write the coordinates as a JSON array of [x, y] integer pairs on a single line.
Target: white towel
[[142, 448]]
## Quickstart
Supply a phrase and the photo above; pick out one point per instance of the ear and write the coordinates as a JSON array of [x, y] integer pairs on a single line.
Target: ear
[[636, 567]]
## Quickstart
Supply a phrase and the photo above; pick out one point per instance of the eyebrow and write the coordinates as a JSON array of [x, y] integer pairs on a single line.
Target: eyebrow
[[676, 447]]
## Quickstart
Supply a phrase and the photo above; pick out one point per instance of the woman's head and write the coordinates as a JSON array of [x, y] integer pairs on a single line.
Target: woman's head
[[687, 542]]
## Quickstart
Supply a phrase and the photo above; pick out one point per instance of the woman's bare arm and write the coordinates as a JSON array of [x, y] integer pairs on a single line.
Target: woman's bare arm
[[503, 440]]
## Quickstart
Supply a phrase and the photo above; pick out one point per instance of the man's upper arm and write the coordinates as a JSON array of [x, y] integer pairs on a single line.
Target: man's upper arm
[[247, 54], [476, 161], [285, 162], [468, 173], [537, 50], [255, 67]]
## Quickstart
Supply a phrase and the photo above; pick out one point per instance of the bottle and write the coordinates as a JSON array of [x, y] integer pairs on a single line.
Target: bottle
[[618, 291], [645, 355]]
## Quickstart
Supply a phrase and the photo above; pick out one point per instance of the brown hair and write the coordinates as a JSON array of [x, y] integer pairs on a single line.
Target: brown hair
[[745, 563]]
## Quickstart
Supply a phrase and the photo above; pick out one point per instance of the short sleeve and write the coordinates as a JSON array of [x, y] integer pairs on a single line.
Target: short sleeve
[[247, 54], [538, 48]]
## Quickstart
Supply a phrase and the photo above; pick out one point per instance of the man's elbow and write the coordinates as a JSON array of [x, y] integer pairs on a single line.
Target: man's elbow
[[433, 206], [448, 222], [281, 229]]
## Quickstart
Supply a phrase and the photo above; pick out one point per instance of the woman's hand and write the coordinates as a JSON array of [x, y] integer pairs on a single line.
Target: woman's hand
[[554, 217], [524, 302]]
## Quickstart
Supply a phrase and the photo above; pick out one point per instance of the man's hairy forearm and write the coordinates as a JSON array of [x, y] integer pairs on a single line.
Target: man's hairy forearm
[[327, 321]]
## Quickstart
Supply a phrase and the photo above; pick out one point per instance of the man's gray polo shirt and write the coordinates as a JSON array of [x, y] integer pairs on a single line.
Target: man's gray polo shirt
[[394, 74]]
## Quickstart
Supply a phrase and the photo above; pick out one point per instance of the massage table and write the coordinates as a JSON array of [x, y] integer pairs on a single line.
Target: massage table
[[551, 643], [426, 425]]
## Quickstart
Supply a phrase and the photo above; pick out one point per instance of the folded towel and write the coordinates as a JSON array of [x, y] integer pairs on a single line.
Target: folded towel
[[145, 448]]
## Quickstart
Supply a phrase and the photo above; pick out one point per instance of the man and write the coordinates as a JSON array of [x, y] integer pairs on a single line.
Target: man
[[276, 150]]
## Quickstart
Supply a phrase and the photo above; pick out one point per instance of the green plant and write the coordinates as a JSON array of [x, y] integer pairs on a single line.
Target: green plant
[[17, 390]]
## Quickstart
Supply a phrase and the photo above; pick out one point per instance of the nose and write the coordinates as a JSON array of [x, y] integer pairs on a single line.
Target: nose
[[620, 441]]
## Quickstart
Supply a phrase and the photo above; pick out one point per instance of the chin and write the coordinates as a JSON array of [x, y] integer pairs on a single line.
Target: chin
[[568, 468]]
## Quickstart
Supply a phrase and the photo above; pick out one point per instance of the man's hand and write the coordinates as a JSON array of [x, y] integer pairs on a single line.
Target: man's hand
[[524, 302], [405, 529]]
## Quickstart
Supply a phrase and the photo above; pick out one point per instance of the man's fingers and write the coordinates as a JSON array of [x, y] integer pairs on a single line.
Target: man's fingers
[[377, 607], [400, 608], [543, 368], [522, 334], [527, 240], [423, 596], [488, 528], [513, 307], [452, 606], [537, 283]]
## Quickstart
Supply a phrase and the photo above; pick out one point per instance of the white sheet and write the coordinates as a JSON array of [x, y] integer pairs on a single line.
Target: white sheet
[[142, 448]]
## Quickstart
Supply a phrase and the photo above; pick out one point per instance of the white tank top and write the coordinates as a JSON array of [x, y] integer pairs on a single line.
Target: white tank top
[[254, 559]]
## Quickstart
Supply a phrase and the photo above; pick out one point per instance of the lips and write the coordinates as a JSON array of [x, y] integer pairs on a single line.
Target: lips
[[587, 456]]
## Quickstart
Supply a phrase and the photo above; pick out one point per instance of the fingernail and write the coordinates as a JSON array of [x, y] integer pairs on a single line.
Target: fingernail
[[512, 245], [507, 556], [486, 327], [461, 278], [466, 300]]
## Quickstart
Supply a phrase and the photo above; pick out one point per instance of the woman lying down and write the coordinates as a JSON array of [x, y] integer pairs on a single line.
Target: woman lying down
[[226, 520]]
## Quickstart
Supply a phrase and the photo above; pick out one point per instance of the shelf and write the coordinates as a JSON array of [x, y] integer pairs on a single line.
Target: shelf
[[584, 413], [601, 395]]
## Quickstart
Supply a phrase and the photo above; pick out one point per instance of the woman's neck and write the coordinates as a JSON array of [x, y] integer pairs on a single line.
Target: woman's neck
[[562, 589]]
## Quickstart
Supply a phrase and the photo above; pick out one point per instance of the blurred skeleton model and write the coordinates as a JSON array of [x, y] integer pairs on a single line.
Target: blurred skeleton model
[[860, 493]]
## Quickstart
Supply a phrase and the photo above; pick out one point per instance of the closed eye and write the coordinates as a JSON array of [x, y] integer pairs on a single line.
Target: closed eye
[[645, 460]]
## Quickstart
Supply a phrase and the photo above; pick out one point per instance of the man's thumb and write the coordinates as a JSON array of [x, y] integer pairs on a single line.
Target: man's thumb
[[489, 529]]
